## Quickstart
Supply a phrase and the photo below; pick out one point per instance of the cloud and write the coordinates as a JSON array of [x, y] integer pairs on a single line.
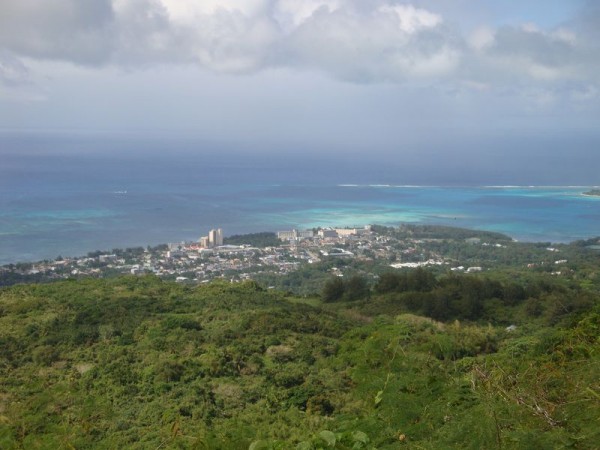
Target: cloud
[[16, 80], [587, 22], [12, 70], [545, 69], [73, 30], [586, 93], [233, 42], [540, 55], [223, 36], [390, 43], [292, 13], [360, 41], [410, 19], [481, 38]]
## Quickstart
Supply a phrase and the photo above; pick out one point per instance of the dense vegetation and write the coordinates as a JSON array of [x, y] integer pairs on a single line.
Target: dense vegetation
[[263, 239], [136, 362], [490, 298], [420, 231]]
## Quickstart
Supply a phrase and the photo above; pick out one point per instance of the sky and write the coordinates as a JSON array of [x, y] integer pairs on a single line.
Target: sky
[[462, 80]]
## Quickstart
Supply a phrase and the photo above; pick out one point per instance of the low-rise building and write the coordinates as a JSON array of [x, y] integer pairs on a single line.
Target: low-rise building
[[327, 233]]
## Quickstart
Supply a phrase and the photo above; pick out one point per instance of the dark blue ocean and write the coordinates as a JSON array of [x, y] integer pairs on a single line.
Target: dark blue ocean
[[70, 195]]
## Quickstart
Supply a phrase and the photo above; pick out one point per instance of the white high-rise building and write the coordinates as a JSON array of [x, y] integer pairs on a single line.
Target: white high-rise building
[[215, 237]]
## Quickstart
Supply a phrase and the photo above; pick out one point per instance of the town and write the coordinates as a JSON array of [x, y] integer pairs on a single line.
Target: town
[[269, 254], [209, 257]]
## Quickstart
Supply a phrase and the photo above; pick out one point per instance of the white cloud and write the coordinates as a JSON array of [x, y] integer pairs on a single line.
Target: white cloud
[[361, 41], [481, 38], [385, 44], [411, 19], [223, 36], [189, 12], [230, 42], [292, 13]]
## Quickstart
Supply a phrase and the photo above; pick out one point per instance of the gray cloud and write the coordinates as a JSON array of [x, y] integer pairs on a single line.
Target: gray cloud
[[72, 30], [543, 56]]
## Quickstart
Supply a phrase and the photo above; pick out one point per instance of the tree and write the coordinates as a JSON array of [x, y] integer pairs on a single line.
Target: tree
[[388, 282], [333, 290], [421, 280], [356, 288]]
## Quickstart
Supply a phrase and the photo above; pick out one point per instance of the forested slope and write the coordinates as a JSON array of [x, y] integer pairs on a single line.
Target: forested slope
[[135, 362]]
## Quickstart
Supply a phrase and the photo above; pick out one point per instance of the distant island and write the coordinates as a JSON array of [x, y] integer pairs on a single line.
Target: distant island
[[593, 193]]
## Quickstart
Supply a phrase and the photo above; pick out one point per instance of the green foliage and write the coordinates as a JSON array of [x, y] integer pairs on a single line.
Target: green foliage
[[476, 297], [418, 280], [333, 290], [326, 439], [418, 231], [139, 363], [356, 288], [337, 289], [263, 239]]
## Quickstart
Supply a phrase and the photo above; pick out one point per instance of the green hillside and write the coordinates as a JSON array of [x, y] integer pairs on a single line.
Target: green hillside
[[136, 362]]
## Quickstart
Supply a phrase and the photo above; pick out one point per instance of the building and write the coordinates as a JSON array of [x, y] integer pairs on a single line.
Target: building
[[107, 258], [175, 253], [295, 234], [306, 234], [343, 232], [215, 238], [328, 233], [287, 235]]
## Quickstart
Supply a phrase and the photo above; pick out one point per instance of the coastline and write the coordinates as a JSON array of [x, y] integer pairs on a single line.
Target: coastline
[[269, 254], [152, 247], [35, 229], [587, 194]]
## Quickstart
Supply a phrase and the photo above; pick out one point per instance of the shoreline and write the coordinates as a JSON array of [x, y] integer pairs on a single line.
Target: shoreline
[[524, 215], [520, 240], [525, 239]]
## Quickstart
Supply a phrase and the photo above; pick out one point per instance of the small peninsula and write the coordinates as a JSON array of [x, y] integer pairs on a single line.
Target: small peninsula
[[593, 193]]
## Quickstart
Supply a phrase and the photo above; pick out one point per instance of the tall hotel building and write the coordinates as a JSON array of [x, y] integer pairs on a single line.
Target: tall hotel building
[[215, 238]]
